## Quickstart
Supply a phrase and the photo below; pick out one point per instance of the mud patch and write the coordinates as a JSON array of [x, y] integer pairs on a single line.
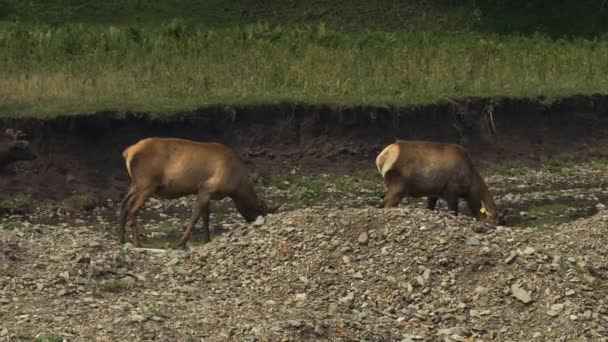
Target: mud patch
[[551, 214]]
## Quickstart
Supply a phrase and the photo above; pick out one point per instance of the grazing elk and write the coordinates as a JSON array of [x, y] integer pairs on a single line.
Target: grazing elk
[[172, 168], [14, 148], [422, 168]]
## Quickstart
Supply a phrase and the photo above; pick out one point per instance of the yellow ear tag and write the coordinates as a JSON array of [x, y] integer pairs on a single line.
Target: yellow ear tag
[[482, 210]]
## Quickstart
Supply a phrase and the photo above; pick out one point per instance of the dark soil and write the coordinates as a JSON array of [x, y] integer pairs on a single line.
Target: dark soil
[[83, 153]]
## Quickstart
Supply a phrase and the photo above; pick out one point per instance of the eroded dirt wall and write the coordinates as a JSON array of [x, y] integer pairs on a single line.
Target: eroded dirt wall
[[83, 152]]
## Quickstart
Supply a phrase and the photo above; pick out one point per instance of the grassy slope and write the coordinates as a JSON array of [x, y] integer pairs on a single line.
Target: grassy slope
[[380, 52]]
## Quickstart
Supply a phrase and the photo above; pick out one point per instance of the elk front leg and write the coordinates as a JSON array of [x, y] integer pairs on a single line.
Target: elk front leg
[[205, 213], [201, 206], [432, 203], [453, 205]]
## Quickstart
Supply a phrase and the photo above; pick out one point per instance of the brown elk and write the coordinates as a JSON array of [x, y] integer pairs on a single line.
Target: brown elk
[[422, 168], [14, 148], [172, 168]]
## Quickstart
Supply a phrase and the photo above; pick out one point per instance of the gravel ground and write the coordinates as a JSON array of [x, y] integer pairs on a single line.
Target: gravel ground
[[325, 273]]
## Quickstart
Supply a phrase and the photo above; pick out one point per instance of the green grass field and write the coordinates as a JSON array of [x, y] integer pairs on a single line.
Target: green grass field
[[62, 57]]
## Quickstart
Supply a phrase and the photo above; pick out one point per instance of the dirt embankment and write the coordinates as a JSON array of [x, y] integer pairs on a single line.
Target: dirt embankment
[[83, 153]]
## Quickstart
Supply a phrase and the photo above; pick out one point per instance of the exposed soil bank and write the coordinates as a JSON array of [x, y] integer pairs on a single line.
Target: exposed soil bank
[[82, 153]]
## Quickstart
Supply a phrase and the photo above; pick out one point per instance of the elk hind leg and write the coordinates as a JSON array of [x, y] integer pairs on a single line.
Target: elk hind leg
[[125, 204], [393, 197], [395, 191], [137, 202]]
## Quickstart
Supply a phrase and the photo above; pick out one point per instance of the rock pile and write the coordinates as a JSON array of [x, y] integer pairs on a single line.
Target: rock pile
[[400, 274]]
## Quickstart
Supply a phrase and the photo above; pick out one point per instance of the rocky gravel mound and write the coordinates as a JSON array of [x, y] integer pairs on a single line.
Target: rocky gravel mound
[[400, 274]]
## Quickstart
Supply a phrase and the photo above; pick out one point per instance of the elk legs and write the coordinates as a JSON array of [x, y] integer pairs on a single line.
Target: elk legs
[[136, 202], [453, 205], [200, 207], [432, 203]]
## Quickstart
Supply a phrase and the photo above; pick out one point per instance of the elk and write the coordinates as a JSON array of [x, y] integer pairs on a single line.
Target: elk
[[173, 168], [435, 170], [14, 148]]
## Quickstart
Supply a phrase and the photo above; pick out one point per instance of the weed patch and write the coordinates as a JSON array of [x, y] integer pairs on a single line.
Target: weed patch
[[301, 191], [16, 205], [118, 285], [49, 338], [512, 169], [10, 225]]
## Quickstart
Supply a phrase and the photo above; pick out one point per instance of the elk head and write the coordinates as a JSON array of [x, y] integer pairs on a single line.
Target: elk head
[[492, 217]]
